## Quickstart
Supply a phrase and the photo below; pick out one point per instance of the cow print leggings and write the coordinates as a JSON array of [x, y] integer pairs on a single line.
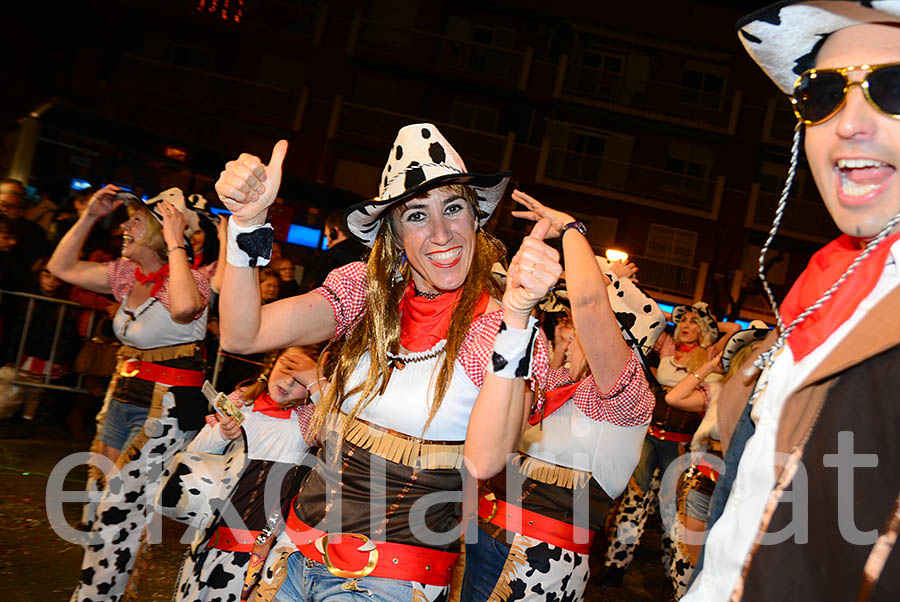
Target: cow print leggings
[[119, 522]]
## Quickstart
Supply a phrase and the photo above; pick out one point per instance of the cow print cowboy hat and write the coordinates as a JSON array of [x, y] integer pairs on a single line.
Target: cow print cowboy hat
[[422, 159], [785, 37], [755, 331], [709, 327], [194, 208]]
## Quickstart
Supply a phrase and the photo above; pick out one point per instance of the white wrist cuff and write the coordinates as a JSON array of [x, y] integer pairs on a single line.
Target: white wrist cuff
[[513, 349], [249, 246]]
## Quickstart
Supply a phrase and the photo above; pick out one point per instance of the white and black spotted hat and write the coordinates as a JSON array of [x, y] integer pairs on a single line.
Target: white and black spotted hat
[[193, 208], [756, 332], [709, 328], [422, 159], [785, 37]]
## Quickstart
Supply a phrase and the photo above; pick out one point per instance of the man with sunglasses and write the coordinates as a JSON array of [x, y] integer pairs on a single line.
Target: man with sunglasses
[[807, 507]]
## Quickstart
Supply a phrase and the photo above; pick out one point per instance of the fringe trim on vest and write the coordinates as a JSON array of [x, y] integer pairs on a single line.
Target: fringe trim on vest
[[156, 411], [514, 560], [398, 448], [551, 474], [882, 549], [157, 354], [679, 531]]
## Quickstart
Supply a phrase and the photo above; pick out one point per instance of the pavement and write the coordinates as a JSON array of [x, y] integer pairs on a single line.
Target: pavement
[[36, 564]]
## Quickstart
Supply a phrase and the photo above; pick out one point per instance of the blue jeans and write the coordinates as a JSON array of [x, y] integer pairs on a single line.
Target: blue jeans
[[655, 452], [484, 564], [310, 581], [122, 423]]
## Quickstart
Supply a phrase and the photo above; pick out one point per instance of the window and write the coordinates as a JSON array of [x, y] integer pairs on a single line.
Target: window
[[475, 117], [600, 74], [672, 245], [687, 168], [586, 156], [488, 56], [604, 61], [703, 84], [583, 157]]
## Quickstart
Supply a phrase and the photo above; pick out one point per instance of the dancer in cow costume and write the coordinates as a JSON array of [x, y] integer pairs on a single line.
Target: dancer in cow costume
[[153, 406]]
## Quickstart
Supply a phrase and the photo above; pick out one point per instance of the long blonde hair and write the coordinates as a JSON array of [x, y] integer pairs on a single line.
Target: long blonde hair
[[378, 332]]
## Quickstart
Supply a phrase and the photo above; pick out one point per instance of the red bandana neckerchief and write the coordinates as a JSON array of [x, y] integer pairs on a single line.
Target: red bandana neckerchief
[[685, 347], [198, 259], [424, 322], [268, 406], [824, 269], [553, 400], [157, 278]]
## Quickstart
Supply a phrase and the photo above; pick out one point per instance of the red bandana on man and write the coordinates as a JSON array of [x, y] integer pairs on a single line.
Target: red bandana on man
[[827, 265]]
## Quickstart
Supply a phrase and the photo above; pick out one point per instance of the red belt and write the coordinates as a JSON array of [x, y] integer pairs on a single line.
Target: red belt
[[531, 524], [233, 540], [664, 435], [174, 377], [708, 471], [380, 558]]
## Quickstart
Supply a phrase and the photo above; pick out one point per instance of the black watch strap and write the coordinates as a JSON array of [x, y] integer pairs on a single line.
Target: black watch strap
[[576, 225]]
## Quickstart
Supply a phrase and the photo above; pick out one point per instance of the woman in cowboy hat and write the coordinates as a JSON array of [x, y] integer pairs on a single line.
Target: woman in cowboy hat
[[538, 517], [695, 394], [427, 359], [153, 404]]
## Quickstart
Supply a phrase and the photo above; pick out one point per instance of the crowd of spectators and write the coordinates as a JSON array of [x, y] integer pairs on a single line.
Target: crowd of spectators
[[31, 225]]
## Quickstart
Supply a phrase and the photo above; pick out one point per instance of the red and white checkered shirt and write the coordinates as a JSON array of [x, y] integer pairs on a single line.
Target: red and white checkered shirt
[[120, 276], [629, 403], [345, 289], [304, 415]]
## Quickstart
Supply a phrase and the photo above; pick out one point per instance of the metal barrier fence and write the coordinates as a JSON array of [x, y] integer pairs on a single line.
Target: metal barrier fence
[[64, 305]]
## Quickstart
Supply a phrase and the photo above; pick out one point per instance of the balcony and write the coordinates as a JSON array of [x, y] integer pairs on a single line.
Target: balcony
[[630, 182], [670, 278], [434, 51], [803, 219], [656, 100], [376, 129]]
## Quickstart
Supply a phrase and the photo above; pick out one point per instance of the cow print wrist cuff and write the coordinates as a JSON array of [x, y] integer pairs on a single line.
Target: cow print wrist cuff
[[513, 348], [250, 246]]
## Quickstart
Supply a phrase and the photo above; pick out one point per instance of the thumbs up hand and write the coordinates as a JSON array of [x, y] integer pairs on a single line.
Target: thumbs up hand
[[248, 187]]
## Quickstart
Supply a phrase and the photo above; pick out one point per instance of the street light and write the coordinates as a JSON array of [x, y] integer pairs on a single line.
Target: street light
[[615, 255]]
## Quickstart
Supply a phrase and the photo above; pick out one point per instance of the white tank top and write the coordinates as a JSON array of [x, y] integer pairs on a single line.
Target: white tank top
[[404, 405]]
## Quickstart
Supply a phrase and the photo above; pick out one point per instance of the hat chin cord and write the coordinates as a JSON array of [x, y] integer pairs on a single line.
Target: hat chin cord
[[765, 359]]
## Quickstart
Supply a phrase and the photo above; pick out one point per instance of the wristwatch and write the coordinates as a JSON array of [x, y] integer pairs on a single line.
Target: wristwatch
[[576, 225]]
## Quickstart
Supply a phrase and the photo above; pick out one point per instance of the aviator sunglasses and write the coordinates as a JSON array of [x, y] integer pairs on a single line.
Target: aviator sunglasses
[[821, 93]]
